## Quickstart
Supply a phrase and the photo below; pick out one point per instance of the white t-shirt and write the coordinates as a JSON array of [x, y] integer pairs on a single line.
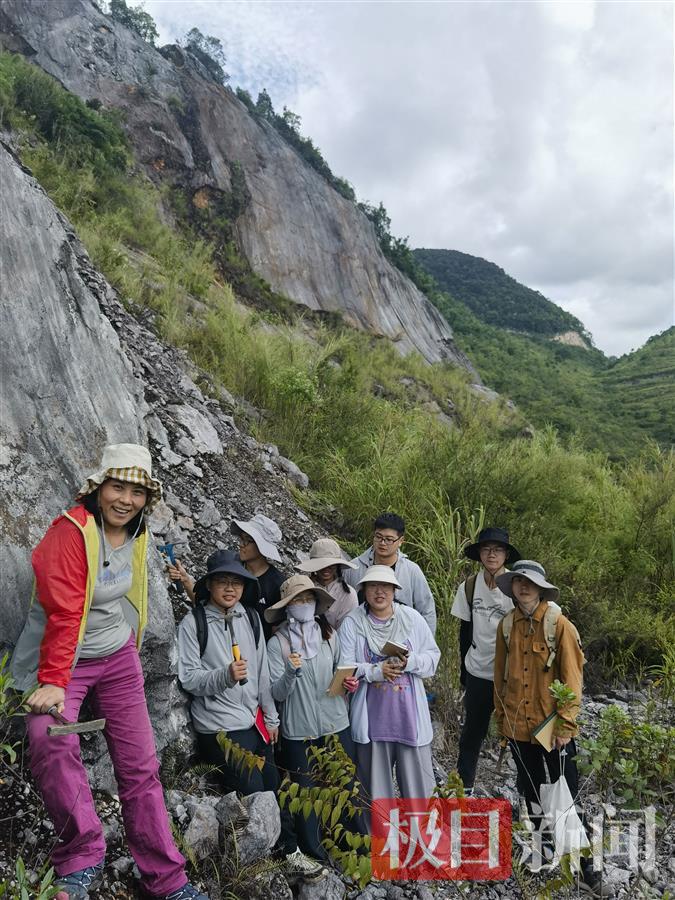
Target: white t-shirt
[[489, 608]]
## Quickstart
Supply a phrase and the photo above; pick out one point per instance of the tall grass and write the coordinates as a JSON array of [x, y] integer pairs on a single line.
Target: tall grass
[[355, 416]]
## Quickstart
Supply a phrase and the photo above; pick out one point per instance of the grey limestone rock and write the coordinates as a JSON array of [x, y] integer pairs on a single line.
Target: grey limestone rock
[[201, 835], [307, 240], [296, 475], [204, 436], [329, 888]]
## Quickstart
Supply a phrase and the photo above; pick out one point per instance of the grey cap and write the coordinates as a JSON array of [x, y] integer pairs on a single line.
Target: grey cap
[[533, 570]]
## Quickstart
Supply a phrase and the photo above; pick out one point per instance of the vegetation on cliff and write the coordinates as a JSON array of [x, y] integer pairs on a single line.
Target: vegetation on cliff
[[362, 421]]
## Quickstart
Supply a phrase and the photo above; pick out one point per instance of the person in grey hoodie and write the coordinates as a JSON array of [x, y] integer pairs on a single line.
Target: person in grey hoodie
[[388, 535], [303, 655], [230, 687]]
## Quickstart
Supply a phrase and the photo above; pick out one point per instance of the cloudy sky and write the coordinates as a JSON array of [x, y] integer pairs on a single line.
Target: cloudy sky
[[538, 135]]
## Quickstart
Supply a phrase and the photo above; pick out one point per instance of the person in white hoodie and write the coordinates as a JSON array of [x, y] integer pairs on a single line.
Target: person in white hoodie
[[413, 588], [389, 713]]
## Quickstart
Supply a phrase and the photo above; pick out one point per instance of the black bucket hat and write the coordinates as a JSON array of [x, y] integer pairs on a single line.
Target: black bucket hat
[[498, 536], [227, 561]]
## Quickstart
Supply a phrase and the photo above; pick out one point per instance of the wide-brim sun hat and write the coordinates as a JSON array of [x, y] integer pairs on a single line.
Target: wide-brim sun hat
[[125, 462], [496, 536], [323, 553], [383, 574], [227, 562], [529, 568], [265, 532], [297, 584]]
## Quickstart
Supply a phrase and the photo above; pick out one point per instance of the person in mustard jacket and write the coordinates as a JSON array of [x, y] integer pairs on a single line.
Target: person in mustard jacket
[[537, 645], [81, 639]]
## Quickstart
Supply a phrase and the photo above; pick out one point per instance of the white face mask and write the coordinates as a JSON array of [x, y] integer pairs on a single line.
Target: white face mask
[[302, 612]]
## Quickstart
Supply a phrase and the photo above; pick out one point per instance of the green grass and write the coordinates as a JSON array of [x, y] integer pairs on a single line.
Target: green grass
[[351, 412]]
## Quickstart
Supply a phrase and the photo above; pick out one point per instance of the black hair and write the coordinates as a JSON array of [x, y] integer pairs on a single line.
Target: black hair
[[325, 626], [343, 582], [390, 520], [135, 527]]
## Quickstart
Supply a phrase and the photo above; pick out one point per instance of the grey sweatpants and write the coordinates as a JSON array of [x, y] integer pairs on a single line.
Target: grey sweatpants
[[375, 766]]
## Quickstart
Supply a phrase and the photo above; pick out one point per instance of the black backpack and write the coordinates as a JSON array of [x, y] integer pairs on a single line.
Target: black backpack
[[202, 625]]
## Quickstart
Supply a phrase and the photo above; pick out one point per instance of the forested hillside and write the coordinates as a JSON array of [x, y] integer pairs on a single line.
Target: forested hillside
[[494, 297]]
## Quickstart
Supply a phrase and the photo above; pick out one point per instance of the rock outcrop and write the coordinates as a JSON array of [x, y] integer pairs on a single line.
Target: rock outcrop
[[303, 237], [70, 385]]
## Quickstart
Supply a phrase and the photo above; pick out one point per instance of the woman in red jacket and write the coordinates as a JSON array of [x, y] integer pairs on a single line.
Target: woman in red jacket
[[81, 639]]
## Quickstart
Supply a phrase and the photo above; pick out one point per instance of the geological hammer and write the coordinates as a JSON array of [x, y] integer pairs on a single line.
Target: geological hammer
[[66, 727], [236, 653]]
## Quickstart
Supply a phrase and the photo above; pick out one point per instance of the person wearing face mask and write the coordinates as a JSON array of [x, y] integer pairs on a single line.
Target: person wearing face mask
[[303, 656], [480, 606], [82, 637], [327, 566], [537, 645], [389, 712]]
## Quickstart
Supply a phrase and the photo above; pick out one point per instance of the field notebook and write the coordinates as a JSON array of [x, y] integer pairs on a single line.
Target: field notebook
[[544, 731], [336, 687]]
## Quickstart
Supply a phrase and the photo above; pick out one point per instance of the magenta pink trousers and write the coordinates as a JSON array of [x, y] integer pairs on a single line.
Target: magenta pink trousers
[[115, 687]]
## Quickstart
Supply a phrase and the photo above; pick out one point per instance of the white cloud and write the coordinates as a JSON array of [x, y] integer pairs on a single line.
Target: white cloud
[[538, 135]]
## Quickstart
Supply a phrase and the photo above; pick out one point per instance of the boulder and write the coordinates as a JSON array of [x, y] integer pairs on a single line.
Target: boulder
[[201, 835]]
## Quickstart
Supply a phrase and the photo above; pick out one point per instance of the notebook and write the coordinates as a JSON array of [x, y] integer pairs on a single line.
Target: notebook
[[336, 687]]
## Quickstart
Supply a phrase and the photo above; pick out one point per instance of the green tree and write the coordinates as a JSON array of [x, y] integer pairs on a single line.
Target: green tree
[[264, 107], [136, 18], [209, 51]]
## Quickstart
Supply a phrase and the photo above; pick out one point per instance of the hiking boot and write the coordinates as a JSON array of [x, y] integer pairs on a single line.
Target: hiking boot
[[301, 866], [77, 884], [187, 892]]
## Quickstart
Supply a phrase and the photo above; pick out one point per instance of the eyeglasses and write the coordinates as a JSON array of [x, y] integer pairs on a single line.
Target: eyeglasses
[[493, 551], [244, 540], [381, 539], [227, 582], [301, 598]]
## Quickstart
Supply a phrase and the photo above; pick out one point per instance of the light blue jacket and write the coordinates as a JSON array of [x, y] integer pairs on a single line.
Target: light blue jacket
[[414, 590]]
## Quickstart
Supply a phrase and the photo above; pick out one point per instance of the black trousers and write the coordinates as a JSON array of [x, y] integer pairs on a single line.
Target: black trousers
[[533, 762], [294, 760], [478, 706], [236, 778]]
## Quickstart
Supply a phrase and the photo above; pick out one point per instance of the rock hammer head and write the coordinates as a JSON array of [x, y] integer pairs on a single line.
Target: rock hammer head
[[66, 727]]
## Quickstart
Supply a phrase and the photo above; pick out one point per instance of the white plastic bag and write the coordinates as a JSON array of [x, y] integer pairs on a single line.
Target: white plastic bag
[[561, 819]]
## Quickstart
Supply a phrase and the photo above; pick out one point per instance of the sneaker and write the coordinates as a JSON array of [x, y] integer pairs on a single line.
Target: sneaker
[[187, 892], [77, 884], [302, 866]]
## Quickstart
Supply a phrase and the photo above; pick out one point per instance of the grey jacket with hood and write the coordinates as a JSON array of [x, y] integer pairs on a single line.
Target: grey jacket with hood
[[414, 590], [218, 703]]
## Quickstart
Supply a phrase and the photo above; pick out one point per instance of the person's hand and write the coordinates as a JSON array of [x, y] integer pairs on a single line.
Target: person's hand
[[238, 669], [391, 669], [273, 732], [295, 660], [46, 696], [180, 573], [561, 742], [351, 684], [403, 655]]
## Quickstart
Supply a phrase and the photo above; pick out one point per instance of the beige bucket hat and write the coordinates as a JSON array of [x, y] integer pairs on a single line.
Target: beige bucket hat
[[384, 574], [126, 462], [290, 589], [323, 553]]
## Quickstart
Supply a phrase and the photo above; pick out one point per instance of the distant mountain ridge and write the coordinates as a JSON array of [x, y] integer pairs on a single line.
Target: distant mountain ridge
[[495, 297]]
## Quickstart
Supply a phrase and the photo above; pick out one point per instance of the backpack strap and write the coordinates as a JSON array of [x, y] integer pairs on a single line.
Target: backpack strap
[[507, 628], [470, 590], [202, 625]]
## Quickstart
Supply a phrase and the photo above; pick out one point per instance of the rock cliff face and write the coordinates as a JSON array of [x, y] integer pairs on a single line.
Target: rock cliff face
[[303, 237], [79, 371]]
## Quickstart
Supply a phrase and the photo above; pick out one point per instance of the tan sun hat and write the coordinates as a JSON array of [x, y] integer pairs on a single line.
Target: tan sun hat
[[535, 572], [323, 553], [290, 589], [126, 462], [384, 574]]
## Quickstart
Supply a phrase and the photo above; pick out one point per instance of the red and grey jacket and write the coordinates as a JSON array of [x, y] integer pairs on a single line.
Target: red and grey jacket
[[65, 563]]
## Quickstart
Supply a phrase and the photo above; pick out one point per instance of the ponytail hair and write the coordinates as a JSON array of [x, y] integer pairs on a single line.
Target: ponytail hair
[[325, 626]]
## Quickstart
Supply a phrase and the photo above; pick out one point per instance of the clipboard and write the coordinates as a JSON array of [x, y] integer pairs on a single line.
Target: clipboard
[[392, 648], [335, 688], [544, 731]]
